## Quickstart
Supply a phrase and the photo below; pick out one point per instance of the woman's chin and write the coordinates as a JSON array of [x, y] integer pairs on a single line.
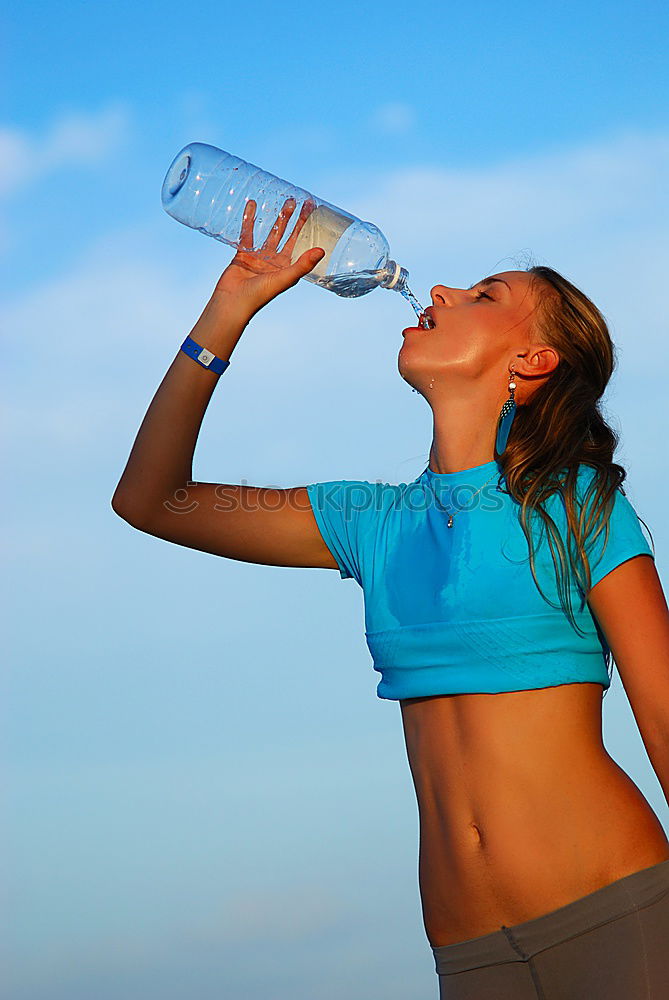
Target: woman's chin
[[416, 368]]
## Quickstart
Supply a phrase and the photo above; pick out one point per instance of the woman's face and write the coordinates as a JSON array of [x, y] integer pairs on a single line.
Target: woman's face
[[478, 331]]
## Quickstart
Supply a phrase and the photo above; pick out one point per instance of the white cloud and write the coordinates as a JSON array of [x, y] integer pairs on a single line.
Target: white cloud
[[617, 183], [73, 138]]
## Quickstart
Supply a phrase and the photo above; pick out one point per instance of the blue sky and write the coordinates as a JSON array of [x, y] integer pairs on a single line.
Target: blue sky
[[226, 809]]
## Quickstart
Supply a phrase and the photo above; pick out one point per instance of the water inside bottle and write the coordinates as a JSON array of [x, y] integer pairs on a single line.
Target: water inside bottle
[[351, 285]]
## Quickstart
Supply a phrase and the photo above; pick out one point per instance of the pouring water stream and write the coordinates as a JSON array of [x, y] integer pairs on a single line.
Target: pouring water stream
[[425, 322]]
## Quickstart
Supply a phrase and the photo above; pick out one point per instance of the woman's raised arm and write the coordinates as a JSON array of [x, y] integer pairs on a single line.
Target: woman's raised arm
[[156, 492]]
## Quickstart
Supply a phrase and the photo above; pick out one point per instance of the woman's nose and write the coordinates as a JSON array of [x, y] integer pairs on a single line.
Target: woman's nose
[[443, 295]]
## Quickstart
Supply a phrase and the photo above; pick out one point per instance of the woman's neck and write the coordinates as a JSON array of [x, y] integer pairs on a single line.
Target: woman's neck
[[463, 434]]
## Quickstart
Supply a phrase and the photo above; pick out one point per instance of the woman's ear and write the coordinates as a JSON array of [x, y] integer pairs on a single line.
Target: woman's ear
[[540, 360], [533, 369]]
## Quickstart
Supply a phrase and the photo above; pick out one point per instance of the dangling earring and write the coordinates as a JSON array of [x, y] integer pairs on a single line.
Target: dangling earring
[[506, 416]]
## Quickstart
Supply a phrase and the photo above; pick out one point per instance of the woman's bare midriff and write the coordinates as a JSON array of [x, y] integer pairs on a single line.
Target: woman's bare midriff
[[521, 808]]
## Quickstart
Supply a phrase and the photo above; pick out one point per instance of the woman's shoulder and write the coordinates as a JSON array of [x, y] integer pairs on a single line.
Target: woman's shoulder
[[587, 485], [618, 509], [586, 476], [585, 499]]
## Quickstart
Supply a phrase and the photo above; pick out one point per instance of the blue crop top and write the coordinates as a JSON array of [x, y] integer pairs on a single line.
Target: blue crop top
[[456, 610]]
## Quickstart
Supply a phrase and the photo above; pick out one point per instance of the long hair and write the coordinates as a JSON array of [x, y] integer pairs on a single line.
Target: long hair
[[560, 427]]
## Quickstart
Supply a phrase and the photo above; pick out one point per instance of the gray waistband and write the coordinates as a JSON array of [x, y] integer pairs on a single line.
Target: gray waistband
[[523, 941]]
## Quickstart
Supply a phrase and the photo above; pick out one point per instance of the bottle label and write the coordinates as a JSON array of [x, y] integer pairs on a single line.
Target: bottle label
[[323, 228]]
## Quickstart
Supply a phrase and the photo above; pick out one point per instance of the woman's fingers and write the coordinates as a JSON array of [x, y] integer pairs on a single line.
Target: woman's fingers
[[248, 220], [279, 227], [306, 210], [289, 276], [268, 255]]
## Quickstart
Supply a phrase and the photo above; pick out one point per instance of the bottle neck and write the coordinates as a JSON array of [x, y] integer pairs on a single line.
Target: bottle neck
[[393, 276]]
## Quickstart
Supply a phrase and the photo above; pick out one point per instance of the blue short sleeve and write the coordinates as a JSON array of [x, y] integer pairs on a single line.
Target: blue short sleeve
[[347, 513], [625, 538]]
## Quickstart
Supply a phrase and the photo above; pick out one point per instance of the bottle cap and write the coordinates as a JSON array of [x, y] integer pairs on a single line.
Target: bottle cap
[[395, 276], [398, 270]]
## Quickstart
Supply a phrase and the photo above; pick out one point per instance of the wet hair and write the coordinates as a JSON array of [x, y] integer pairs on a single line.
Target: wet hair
[[560, 427]]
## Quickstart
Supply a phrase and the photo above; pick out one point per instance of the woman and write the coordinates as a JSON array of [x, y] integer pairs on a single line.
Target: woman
[[497, 585]]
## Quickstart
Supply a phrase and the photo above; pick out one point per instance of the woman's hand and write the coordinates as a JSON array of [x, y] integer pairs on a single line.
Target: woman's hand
[[250, 281]]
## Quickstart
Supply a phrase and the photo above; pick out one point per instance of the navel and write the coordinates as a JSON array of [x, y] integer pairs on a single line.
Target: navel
[[477, 834]]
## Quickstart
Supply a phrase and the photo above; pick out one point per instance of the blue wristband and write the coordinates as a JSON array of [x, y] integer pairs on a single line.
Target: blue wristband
[[203, 356]]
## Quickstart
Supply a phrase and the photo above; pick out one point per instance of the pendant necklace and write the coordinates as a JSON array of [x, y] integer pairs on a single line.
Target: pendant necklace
[[451, 515]]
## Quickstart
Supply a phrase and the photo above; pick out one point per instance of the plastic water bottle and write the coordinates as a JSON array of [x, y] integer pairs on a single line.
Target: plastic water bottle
[[207, 189]]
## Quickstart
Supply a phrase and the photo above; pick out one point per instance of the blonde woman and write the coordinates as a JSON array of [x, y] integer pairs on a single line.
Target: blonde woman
[[499, 586]]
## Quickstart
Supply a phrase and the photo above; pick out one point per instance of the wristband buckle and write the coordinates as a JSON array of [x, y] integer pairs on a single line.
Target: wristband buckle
[[205, 357]]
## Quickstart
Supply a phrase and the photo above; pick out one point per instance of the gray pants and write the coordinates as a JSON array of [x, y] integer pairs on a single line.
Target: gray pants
[[612, 944]]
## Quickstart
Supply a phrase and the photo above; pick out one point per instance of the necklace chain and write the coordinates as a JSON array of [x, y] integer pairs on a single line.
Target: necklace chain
[[452, 515]]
